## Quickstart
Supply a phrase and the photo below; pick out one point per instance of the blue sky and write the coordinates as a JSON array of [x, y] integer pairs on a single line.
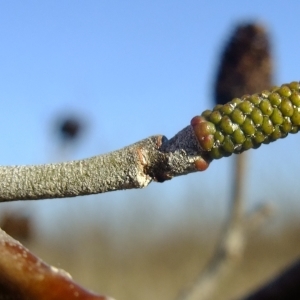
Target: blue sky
[[133, 69]]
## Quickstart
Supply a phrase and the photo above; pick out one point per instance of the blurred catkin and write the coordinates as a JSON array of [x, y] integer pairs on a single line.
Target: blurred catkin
[[246, 64]]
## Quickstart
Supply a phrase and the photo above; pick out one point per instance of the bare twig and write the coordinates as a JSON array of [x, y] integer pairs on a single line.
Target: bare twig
[[155, 158], [231, 244], [229, 250]]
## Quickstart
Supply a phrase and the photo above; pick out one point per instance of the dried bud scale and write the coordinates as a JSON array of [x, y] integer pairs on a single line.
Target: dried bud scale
[[248, 122]]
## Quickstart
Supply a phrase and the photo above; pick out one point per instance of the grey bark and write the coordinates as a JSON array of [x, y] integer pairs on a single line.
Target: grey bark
[[155, 158]]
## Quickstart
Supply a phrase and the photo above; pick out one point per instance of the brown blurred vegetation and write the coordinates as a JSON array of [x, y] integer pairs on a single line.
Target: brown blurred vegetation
[[141, 266], [17, 224]]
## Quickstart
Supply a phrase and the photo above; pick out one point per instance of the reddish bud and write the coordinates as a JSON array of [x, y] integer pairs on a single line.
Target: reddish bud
[[204, 131], [204, 128], [197, 120], [201, 164]]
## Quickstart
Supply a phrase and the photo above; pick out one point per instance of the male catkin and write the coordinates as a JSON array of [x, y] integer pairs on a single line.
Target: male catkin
[[250, 121]]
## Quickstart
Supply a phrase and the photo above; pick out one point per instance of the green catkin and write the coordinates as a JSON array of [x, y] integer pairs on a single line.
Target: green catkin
[[253, 120]]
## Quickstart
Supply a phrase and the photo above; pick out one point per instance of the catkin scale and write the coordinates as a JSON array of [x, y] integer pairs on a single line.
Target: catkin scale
[[246, 123]]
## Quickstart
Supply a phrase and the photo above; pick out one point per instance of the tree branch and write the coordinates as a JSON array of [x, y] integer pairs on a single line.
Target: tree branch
[[155, 158]]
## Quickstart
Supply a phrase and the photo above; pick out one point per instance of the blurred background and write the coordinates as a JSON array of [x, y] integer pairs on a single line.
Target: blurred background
[[81, 78]]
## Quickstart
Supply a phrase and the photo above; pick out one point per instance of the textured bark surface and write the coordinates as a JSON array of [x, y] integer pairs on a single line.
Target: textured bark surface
[[155, 158]]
